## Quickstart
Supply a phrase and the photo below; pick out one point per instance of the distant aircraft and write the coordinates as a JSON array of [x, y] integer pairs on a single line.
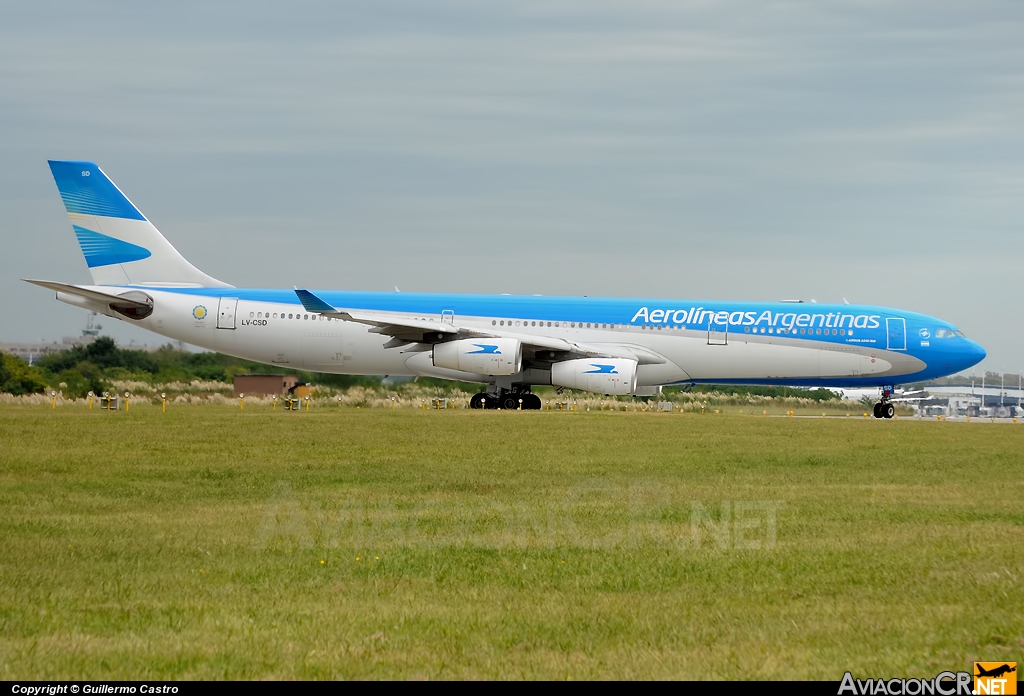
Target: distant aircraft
[[898, 395], [615, 346]]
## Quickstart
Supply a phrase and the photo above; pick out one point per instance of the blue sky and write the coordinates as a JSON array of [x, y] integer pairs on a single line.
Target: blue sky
[[735, 150]]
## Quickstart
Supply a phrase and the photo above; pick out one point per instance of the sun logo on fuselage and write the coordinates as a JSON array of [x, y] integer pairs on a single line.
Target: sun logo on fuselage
[[199, 312]]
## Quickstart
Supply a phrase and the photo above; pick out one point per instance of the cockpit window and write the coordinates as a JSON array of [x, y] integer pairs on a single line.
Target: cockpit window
[[949, 333]]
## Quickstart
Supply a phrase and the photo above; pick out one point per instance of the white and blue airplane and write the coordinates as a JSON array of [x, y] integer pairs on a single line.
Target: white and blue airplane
[[615, 346]]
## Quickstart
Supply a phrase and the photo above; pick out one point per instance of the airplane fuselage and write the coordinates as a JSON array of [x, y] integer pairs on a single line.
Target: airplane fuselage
[[679, 341]]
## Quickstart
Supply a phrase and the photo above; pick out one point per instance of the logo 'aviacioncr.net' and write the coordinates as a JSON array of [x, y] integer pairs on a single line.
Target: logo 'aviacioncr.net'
[[995, 678], [199, 312]]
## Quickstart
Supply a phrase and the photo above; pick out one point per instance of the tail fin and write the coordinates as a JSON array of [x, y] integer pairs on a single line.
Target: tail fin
[[120, 245]]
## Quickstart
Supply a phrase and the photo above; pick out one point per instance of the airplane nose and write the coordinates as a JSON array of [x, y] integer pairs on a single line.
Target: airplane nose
[[972, 354]]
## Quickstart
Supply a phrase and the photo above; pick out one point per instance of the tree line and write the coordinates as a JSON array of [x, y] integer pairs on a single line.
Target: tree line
[[92, 367]]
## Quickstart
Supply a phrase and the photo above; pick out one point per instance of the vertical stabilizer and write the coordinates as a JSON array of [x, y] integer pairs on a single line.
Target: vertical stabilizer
[[121, 247]]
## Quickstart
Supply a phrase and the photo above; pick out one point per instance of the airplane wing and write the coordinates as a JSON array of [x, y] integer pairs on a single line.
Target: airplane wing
[[406, 330]]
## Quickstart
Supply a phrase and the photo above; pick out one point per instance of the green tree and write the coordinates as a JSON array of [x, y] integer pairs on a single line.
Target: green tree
[[18, 377]]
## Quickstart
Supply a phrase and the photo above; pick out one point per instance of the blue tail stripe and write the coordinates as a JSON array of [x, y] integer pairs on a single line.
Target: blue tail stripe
[[101, 250], [86, 190]]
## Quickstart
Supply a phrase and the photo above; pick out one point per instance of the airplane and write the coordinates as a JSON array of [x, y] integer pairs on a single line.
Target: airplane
[[614, 346], [995, 671]]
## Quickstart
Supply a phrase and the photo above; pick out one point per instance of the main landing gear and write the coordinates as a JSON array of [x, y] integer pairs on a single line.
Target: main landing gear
[[508, 399], [884, 408]]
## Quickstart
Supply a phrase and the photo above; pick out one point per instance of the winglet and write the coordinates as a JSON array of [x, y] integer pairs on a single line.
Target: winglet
[[312, 303]]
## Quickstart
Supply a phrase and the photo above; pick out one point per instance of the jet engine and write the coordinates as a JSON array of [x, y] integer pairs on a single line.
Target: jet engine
[[616, 376], [485, 356]]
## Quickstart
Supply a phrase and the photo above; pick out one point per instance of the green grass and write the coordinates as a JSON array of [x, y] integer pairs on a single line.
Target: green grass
[[209, 543]]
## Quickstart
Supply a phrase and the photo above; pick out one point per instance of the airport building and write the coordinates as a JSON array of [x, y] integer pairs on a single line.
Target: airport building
[[31, 352], [271, 385]]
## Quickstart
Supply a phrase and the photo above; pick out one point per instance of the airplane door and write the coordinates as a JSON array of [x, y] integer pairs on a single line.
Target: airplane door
[[896, 333], [448, 316], [718, 335], [226, 312]]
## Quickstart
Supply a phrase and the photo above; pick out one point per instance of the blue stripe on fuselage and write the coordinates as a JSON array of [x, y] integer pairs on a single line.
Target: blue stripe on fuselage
[[939, 355], [594, 310]]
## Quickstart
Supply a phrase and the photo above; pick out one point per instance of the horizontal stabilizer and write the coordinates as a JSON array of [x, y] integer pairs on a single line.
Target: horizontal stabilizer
[[96, 295]]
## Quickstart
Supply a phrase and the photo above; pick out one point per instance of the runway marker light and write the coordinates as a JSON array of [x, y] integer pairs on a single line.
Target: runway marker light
[[53, 401], [274, 407], [521, 405], [765, 414], [241, 401], [163, 402], [307, 403], [90, 401], [339, 403], [126, 396]]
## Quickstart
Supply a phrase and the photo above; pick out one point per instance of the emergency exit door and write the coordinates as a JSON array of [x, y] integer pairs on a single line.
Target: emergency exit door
[[226, 312]]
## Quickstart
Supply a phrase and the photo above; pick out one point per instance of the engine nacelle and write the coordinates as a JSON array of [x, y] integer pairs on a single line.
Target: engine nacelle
[[485, 356], [615, 376]]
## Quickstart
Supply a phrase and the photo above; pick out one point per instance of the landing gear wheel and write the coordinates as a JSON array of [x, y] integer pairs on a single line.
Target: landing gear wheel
[[478, 401], [878, 410], [510, 402], [531, 402], [888, 410]]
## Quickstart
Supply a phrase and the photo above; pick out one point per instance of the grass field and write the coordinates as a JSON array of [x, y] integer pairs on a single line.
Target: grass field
[[209, 543]]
